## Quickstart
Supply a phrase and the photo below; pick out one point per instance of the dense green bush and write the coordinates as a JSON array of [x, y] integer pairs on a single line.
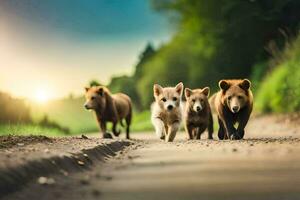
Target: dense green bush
[[280, 90], [270, 95]]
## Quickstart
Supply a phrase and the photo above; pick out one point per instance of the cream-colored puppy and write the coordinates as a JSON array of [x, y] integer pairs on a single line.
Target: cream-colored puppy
[[166, 111]]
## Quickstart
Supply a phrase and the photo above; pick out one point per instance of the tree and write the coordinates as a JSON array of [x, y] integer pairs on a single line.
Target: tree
[[94, 83], [145, 56], [128, 84]]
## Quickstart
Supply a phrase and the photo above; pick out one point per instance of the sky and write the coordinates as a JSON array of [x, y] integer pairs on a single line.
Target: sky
[[52, 48]]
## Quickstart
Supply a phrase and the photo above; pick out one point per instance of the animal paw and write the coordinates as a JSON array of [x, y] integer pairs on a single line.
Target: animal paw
[[107, 136], [241, 134], [235, 137]]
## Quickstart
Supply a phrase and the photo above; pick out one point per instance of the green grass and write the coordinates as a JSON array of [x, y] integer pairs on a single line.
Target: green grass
[[142, 122], [28, 129], [280, 90], [70, 113], [67, 113], [270, 96]]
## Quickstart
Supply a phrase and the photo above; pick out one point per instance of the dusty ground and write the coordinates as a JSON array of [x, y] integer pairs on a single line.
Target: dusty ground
[[266, 165], [17, 150]]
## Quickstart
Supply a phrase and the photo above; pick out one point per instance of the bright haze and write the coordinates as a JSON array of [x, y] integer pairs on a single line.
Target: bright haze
[[51, 48]]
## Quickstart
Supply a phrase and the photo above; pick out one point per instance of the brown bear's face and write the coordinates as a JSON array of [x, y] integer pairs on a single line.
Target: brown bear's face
[[168, 98], [196, 99], [235, 93], [95, 98]]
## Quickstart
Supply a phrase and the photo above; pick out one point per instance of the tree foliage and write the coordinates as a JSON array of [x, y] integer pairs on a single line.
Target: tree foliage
[[94, 83], [128, 84], [216, 39], [279, 91]]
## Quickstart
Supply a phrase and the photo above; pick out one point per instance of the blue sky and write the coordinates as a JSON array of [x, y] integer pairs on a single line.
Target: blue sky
[[59, 45]]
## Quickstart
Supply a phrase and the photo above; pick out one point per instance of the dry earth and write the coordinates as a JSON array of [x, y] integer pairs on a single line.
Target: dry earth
[[265, 165]]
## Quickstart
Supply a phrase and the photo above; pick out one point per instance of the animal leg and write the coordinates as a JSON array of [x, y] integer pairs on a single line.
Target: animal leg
[[189, 130], [159, 127], [230, 130], [114, 129], [221, 132], [103, 130], [128, 122], [172, 130], [200, 130], [195, 131], [210, 127], [242, 124], [103, 127]]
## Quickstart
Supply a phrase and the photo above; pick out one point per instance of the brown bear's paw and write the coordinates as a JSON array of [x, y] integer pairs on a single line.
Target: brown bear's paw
[[221, 135], [107, 136], [116, 133], [235, 137], [241, 134]]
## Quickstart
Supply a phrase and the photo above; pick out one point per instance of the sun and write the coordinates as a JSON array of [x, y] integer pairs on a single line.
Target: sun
[[41, 96]]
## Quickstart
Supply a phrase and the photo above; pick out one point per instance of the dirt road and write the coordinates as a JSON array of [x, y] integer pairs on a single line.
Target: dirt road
[[266, 165]]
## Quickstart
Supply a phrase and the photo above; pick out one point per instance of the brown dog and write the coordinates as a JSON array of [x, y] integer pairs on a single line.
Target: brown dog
[[109, 108], [198, 115]]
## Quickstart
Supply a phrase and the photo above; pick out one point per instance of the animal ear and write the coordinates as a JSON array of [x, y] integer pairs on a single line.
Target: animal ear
[[157, 90], [188, 92], [179, 88], [100, 91], [206, 91], [224, 85], [86, 89], [246, 84]]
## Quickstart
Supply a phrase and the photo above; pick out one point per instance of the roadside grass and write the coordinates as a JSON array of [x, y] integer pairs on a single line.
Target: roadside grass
[[67, 113], [141, 122], [280, 89], [270, 96], [28, 129], [70, 113]]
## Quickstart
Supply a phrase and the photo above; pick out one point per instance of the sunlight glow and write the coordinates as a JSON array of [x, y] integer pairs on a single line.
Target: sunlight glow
[[41, 96]]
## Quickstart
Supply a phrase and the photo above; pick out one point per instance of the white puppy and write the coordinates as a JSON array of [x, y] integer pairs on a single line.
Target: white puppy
[[166, 111]]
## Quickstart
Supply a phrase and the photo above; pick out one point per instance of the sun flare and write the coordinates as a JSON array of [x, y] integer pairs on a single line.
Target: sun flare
[[41, 96]]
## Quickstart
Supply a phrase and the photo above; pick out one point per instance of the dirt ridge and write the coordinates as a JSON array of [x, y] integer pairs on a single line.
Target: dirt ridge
[[12, 179]]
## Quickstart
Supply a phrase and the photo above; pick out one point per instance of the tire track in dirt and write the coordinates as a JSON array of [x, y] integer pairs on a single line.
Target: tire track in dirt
[[13, 178]]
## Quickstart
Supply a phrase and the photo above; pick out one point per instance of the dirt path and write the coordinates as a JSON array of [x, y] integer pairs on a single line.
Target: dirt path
[[266, 165]]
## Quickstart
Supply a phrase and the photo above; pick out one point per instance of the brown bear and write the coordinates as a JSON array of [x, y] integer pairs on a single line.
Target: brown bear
[[197, 114], [233, 103], [109, 108]]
